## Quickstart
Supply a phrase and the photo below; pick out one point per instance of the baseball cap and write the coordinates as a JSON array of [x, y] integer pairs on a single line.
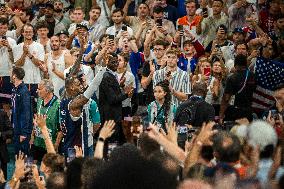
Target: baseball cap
[[82, 26], [238, 30]]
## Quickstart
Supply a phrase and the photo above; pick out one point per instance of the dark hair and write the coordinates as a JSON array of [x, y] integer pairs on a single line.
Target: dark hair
[[161, 42], [4, 21], [102, 37], [158, 9], [134, 172], [279, 87], [219, 1], [191, 1], [207, 153], [227, 146], [125, 56], [241, 60], [41, 24], [19, 72], [147, 145], [55, 162], [56, 180], [90, 169], [117, 10], [28, 185], [96, 7], [188, 42], [168, 97], [73, 174], [242, 43], [200, 89], [166, 161]]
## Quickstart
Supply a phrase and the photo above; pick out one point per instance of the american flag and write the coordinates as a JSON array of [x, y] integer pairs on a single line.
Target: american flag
[[269, 74]]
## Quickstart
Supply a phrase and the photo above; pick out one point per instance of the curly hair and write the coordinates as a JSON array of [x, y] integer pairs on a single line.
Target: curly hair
[[167, 102]]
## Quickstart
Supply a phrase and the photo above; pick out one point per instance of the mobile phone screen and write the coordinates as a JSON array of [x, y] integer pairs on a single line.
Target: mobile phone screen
[[207, 71], [71, 153]]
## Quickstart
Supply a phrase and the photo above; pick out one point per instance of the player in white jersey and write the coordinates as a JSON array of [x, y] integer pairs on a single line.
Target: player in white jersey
[[57, 60]]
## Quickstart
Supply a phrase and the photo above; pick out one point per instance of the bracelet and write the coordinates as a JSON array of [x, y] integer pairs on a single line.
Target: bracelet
[[101, 139]]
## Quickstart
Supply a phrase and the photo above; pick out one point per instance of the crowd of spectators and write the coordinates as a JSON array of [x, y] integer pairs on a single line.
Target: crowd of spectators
[[142, 94]]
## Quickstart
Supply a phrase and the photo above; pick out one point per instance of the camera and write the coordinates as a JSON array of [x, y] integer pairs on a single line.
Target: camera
[[124, 28]]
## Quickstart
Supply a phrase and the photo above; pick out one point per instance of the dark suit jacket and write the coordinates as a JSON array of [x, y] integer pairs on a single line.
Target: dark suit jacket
[[111, 97], [6, 132]]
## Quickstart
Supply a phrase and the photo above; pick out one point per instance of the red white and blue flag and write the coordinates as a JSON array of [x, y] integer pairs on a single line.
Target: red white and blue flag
[[269, 74]]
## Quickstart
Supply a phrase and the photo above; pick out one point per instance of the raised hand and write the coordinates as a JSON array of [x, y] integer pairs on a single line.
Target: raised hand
[[206, 133], [40, 120], [107, 130]]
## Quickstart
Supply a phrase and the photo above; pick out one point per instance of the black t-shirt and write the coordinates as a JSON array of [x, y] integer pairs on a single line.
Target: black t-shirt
[[235, 83], [149, 92]]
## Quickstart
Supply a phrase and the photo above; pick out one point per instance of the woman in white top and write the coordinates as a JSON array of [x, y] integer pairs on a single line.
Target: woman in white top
[[216, 84]]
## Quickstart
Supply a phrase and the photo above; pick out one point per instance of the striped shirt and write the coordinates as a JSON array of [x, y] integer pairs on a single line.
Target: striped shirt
[[180, 82]]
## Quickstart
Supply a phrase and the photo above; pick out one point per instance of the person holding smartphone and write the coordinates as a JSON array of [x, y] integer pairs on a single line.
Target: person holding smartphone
[[208, 26], [216, 83], [7, 59], [118, 29]]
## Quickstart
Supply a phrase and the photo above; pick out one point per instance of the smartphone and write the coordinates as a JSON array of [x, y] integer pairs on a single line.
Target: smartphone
[[111, 37], [274, 114], [124, 28], [180, 27], [159, 22], [4, 37], [71, 154], [204, 12], [182, 129], [207, 71]]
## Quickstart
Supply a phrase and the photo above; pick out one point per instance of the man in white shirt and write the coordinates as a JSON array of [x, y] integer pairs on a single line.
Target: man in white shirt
[[118, 27], [6, 57], [78, 19], [96, 30], [30, 56]]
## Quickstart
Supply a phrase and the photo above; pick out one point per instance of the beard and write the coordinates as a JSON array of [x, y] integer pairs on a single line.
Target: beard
[[58, 10], [55, 48]]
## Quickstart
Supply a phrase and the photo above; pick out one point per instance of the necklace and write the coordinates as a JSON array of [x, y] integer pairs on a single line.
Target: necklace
[[49, 105]]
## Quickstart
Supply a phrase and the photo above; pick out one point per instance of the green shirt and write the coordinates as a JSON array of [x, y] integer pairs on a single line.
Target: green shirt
[[51, 110]]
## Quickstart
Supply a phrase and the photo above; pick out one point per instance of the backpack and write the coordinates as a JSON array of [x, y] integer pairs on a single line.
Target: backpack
[[186, 112]]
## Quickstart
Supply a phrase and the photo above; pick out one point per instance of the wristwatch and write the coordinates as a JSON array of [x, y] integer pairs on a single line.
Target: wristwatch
[[101, 139]]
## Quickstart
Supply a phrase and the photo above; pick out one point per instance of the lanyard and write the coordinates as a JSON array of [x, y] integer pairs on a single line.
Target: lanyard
[[49, 105]]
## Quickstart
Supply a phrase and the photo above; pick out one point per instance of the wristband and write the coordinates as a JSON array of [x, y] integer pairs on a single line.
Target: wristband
[[101, 139]]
